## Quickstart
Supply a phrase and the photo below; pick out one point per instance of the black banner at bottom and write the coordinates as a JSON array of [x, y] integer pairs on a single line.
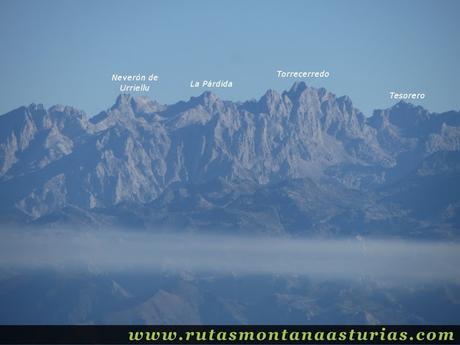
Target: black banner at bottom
[[289, 334]]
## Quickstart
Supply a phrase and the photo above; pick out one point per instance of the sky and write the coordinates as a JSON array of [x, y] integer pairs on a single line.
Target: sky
[[65, 52]]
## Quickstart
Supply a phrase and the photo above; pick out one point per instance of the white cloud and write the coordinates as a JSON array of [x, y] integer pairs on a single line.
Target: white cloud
[[392, 262]]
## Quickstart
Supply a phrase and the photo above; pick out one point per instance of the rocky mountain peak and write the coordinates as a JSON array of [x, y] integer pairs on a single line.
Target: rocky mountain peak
[[271, 102], [137, 149], [403, 115], [297, 88], [123, 100], [206, 99], [139, 104]]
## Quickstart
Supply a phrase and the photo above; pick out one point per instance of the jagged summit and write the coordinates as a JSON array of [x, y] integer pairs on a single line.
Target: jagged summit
[[298, 87], [137, 103], [271, 93], [403, 115], [143, 104], [206, 99], [271, 102], [123, 99], [137, 149]]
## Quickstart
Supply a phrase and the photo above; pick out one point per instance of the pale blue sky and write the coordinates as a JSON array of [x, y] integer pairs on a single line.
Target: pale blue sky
[[66, 51]]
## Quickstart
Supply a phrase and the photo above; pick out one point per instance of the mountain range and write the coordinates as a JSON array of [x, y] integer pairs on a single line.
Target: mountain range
[[303, 162]]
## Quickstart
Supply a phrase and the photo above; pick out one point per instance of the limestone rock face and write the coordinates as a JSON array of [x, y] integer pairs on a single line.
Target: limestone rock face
[[137, 150]]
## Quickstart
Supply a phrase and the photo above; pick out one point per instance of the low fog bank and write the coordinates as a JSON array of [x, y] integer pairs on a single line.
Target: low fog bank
[[110, 251]]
